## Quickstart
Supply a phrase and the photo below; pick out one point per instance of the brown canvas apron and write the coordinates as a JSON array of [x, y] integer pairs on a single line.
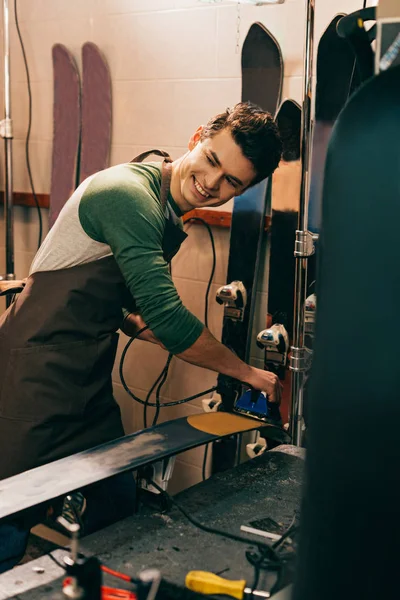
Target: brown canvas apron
[[58, 342]]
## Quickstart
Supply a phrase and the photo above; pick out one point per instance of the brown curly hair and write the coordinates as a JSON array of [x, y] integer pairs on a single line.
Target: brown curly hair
[[255, 131]]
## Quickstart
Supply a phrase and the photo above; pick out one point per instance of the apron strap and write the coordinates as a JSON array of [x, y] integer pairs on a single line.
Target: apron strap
[[166, 172], [11, 286], [165, 183], [141, 157]]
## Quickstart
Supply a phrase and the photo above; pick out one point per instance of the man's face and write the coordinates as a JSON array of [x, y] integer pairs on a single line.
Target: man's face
[[213, 171]]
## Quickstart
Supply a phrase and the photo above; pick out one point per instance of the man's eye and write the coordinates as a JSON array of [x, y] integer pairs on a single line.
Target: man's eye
[[210, 160], [231, 182]]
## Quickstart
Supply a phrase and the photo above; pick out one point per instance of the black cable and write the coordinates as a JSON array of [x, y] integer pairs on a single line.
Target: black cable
[[239, 448], [203, 469], [213, 265], [161, 375], [164, 373], [133, 580], [292, 527], [56, 561], [159, 388], [143, 402], [28, 133], [198, 219], [256, 578], [153, 387], [263, 548]]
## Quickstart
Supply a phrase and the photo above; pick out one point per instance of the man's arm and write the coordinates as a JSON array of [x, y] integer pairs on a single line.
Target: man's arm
[[133, 323], [207, 352], [118, 210]]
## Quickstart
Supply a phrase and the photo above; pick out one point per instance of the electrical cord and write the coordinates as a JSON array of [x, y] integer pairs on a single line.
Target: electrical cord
[[263, 548], [104, 567], [153, 387], [199, 220], [57, 561], [164, 374], [28, 133], [203, 469], [158, 392], [267, 557], [292, 527], [239, 448], [143, 402]]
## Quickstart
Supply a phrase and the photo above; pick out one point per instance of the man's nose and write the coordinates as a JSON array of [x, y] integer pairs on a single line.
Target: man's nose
[[213, 181]]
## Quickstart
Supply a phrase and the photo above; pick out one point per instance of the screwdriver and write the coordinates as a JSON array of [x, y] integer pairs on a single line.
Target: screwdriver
[[207, 583]]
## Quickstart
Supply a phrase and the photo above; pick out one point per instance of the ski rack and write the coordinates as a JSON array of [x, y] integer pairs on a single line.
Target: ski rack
[[6, 133], [304, 245]]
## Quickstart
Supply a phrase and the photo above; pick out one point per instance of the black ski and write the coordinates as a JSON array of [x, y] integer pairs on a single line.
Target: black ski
[[262, 76]]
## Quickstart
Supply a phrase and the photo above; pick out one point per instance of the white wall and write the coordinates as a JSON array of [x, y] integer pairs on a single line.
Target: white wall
[[173, 64]]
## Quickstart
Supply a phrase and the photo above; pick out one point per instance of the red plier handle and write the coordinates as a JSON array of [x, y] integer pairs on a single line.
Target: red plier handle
[[109, 593]]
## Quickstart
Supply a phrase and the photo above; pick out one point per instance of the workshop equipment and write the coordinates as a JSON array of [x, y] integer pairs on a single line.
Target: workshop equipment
[[275, 341], [210, 584], [234, 298]]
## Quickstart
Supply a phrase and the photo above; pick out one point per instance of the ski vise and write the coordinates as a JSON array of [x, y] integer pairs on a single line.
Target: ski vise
[[234, 298], [160, 472], [275, 341], [255, 404]]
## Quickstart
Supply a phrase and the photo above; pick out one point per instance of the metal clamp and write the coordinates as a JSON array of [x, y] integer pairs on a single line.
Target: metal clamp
[[300, 359], [6, 128], [161, 473], [304, 244], [73, 589], [234, 298]]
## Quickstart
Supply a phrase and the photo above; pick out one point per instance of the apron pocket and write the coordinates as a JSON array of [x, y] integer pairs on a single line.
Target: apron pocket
[[48, 382]]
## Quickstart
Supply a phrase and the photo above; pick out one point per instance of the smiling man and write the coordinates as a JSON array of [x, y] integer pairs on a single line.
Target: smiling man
[[104, 266]]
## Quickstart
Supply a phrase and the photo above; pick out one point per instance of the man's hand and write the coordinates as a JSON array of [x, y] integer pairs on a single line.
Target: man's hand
[[207, 352], [267, 382], [134, 323]]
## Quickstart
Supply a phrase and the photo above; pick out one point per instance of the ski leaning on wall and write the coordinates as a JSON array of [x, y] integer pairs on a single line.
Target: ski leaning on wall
[[82, 121], [66, 129], [96, 112], [284, 211], [262, 77], [336, 80]]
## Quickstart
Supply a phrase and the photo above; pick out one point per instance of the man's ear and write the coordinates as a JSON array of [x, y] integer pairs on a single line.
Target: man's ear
[[195, 138]]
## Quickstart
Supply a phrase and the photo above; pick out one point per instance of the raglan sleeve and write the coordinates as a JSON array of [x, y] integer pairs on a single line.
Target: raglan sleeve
[[131, 222]]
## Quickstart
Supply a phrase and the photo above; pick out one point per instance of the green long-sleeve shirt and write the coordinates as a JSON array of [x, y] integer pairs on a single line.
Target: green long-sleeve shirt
[[118, 212]]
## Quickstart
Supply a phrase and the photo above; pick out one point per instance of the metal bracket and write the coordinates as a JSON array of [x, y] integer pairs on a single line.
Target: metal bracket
[[304, 244], [300, 359], [161, 475], [234, 298], [6, 128]]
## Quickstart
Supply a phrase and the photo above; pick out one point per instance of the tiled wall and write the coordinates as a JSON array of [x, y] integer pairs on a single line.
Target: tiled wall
[[173, 64]]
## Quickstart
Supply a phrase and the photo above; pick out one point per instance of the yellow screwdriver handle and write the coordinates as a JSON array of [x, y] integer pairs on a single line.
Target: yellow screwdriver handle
[[208, 583]]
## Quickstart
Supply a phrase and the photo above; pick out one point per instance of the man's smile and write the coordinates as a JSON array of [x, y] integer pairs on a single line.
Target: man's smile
[[199, 189]]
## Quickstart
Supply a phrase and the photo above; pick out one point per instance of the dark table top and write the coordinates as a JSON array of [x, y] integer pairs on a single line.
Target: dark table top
[[261, 493]]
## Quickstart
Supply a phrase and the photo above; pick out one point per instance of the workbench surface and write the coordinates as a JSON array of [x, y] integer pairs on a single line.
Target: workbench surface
[[258, 491]]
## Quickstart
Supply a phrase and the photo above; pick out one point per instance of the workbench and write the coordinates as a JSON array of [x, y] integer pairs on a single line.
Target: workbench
[[262, 491]]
